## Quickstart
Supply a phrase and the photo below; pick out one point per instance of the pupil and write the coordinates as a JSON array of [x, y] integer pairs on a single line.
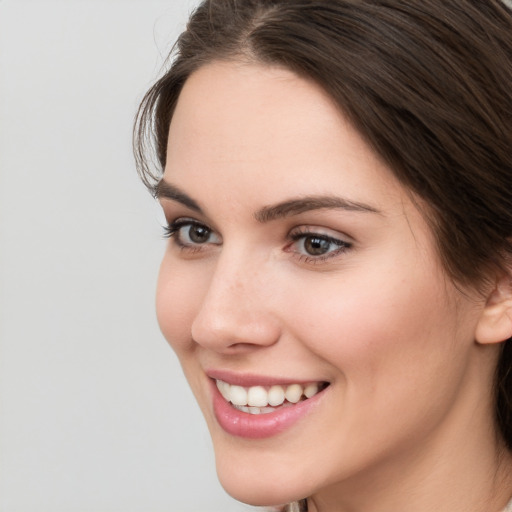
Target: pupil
[[316, 246], [198, 234]]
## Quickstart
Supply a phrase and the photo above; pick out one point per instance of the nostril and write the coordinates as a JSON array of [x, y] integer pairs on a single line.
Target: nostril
[[244, 346], [233, 330]]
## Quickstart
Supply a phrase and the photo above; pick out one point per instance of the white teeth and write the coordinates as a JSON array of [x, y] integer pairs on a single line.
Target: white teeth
[[260, 400], [257, 396], [275, 396], [259, 410], [223, 387], [237, 395], [293, 393], [310, 390]]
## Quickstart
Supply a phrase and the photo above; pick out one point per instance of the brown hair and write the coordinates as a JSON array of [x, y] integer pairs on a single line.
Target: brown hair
[[426, 82]]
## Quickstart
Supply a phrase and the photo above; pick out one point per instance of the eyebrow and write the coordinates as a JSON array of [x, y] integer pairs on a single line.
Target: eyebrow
[[308, 203], [165, 190]]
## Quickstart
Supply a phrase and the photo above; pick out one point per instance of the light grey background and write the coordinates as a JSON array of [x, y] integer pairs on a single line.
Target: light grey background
[[95, 415]]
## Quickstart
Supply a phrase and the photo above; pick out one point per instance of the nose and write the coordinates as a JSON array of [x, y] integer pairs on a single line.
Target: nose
[[236, 313]]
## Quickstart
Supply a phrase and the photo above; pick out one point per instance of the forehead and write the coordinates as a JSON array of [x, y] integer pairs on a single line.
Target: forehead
[[242, 107], [268, 128]]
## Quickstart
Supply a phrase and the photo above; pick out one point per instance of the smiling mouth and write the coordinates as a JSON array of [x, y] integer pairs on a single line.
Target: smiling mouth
[[267, 399]]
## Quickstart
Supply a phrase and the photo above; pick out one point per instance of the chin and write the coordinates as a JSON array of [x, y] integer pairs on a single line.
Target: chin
[[260, 481], [256, 492]]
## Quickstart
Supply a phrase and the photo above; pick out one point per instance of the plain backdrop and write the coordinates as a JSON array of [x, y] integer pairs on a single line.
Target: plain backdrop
[[95, 415]]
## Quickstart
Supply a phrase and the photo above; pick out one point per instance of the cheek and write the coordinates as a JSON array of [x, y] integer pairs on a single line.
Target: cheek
[[391, 352], [177, 300], [375, 327]]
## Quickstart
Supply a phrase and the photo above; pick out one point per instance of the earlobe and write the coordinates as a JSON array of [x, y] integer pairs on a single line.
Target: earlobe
[[495, 323]]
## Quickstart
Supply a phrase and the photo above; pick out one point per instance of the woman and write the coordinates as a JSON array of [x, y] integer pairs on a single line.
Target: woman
[[337, 181]]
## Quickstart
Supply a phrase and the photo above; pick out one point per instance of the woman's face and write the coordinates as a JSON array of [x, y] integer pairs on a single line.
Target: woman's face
[[298, 261]]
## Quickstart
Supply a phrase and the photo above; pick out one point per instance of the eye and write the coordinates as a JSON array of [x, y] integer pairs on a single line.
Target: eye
[[316, 246], [189, 233], [311, 246]]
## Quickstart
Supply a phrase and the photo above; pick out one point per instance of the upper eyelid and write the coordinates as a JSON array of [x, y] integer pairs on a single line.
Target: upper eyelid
[[176, 222], [340, 241], [320, 231], [187, 220], [181, 222], [174, 215], [173, 228], [298, 230]]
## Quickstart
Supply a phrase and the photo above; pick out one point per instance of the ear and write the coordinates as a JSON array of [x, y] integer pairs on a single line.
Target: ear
[[495, 323]]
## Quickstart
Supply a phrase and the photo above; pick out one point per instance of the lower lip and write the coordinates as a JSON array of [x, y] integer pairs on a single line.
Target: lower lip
[[259, 426]]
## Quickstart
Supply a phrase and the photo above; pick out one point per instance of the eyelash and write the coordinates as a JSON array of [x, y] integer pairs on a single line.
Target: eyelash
[[305, 233], [172, 230]]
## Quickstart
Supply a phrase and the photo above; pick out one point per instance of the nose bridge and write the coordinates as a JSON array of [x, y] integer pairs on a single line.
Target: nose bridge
[[235, 310]]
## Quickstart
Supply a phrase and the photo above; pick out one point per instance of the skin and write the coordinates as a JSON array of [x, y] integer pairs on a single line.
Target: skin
[[406, 423]]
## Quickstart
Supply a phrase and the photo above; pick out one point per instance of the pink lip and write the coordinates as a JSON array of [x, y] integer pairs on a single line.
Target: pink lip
[[248, 380], [259, 426]]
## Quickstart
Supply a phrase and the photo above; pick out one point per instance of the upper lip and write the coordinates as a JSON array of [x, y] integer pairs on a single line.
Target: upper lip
[[251, 379]]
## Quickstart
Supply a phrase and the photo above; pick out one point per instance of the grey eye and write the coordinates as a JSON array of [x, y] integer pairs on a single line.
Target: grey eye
[[316, 246], [194, 234], [198, 234]]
